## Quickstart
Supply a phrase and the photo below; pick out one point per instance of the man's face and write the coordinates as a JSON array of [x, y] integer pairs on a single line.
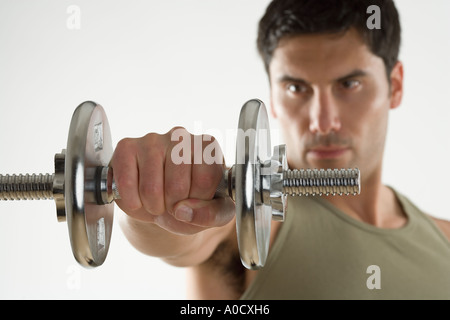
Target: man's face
[[332, 97]]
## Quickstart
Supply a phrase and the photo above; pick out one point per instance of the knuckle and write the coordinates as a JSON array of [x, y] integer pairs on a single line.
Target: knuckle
[[152, 140], [177, 133], [151, 152], [125, 144], [152, 137], [178, 129]]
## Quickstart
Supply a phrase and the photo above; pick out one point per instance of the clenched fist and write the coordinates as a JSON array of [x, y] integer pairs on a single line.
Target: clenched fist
[[167, 181]]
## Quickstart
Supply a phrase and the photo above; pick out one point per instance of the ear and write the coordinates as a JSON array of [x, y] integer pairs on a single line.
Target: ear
[[396, 93]]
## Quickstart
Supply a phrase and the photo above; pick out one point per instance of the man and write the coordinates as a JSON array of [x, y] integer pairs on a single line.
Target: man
[[333, 82]]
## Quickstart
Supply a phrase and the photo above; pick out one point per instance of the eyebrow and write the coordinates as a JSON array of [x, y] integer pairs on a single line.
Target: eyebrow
[[353, 74], [288, 78]]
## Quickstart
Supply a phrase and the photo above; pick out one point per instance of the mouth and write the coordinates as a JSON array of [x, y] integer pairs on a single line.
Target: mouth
[[327, 152]]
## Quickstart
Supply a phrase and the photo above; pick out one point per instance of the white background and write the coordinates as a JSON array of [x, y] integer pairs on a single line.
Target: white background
[[154, 65]]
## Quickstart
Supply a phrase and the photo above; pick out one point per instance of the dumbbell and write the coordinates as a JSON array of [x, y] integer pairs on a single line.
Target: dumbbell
[[259, 183]]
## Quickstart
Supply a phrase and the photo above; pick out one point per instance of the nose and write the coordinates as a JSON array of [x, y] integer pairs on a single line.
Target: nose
[[324, 114]]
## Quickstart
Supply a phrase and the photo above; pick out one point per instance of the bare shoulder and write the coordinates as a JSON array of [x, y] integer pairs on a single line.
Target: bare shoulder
[[443, 225]]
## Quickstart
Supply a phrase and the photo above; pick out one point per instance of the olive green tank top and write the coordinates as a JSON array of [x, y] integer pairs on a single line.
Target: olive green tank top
[[322, 253]]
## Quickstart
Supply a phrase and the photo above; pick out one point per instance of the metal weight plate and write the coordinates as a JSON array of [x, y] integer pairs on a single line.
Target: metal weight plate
[[253, 218], [89, 146]]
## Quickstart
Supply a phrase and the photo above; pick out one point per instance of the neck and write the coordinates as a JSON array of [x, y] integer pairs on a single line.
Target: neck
[[376, 204]]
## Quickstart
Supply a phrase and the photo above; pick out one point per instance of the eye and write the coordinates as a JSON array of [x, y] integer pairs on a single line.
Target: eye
[[296, 88], [350, 84]]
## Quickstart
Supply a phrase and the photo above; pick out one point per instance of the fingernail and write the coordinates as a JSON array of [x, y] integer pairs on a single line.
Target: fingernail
[[184, 214]]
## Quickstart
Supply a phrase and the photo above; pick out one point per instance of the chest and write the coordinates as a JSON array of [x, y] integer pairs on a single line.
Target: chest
[[328, 259]]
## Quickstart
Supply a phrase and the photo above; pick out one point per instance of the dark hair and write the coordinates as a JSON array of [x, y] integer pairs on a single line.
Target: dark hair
[[295, 17]]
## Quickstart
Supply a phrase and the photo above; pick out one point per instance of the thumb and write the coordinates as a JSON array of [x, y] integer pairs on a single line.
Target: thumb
[[206, 213]]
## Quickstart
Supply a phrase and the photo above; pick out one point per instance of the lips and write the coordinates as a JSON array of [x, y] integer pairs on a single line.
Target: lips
[[327, 152]]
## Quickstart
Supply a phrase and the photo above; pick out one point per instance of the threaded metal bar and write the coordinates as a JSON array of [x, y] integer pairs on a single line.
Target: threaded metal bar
[[26, 187], [321, 182]]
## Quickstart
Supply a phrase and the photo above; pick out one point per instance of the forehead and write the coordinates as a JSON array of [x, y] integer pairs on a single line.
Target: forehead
[[319, 55]]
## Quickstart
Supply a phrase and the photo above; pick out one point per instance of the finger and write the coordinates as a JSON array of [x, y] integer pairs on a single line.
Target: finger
[[207, 175], [151, 159], [177, 170], [126, 176], [206, 213]]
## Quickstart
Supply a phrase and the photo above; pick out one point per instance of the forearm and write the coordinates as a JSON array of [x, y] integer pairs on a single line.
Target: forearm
[[177, 250]]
